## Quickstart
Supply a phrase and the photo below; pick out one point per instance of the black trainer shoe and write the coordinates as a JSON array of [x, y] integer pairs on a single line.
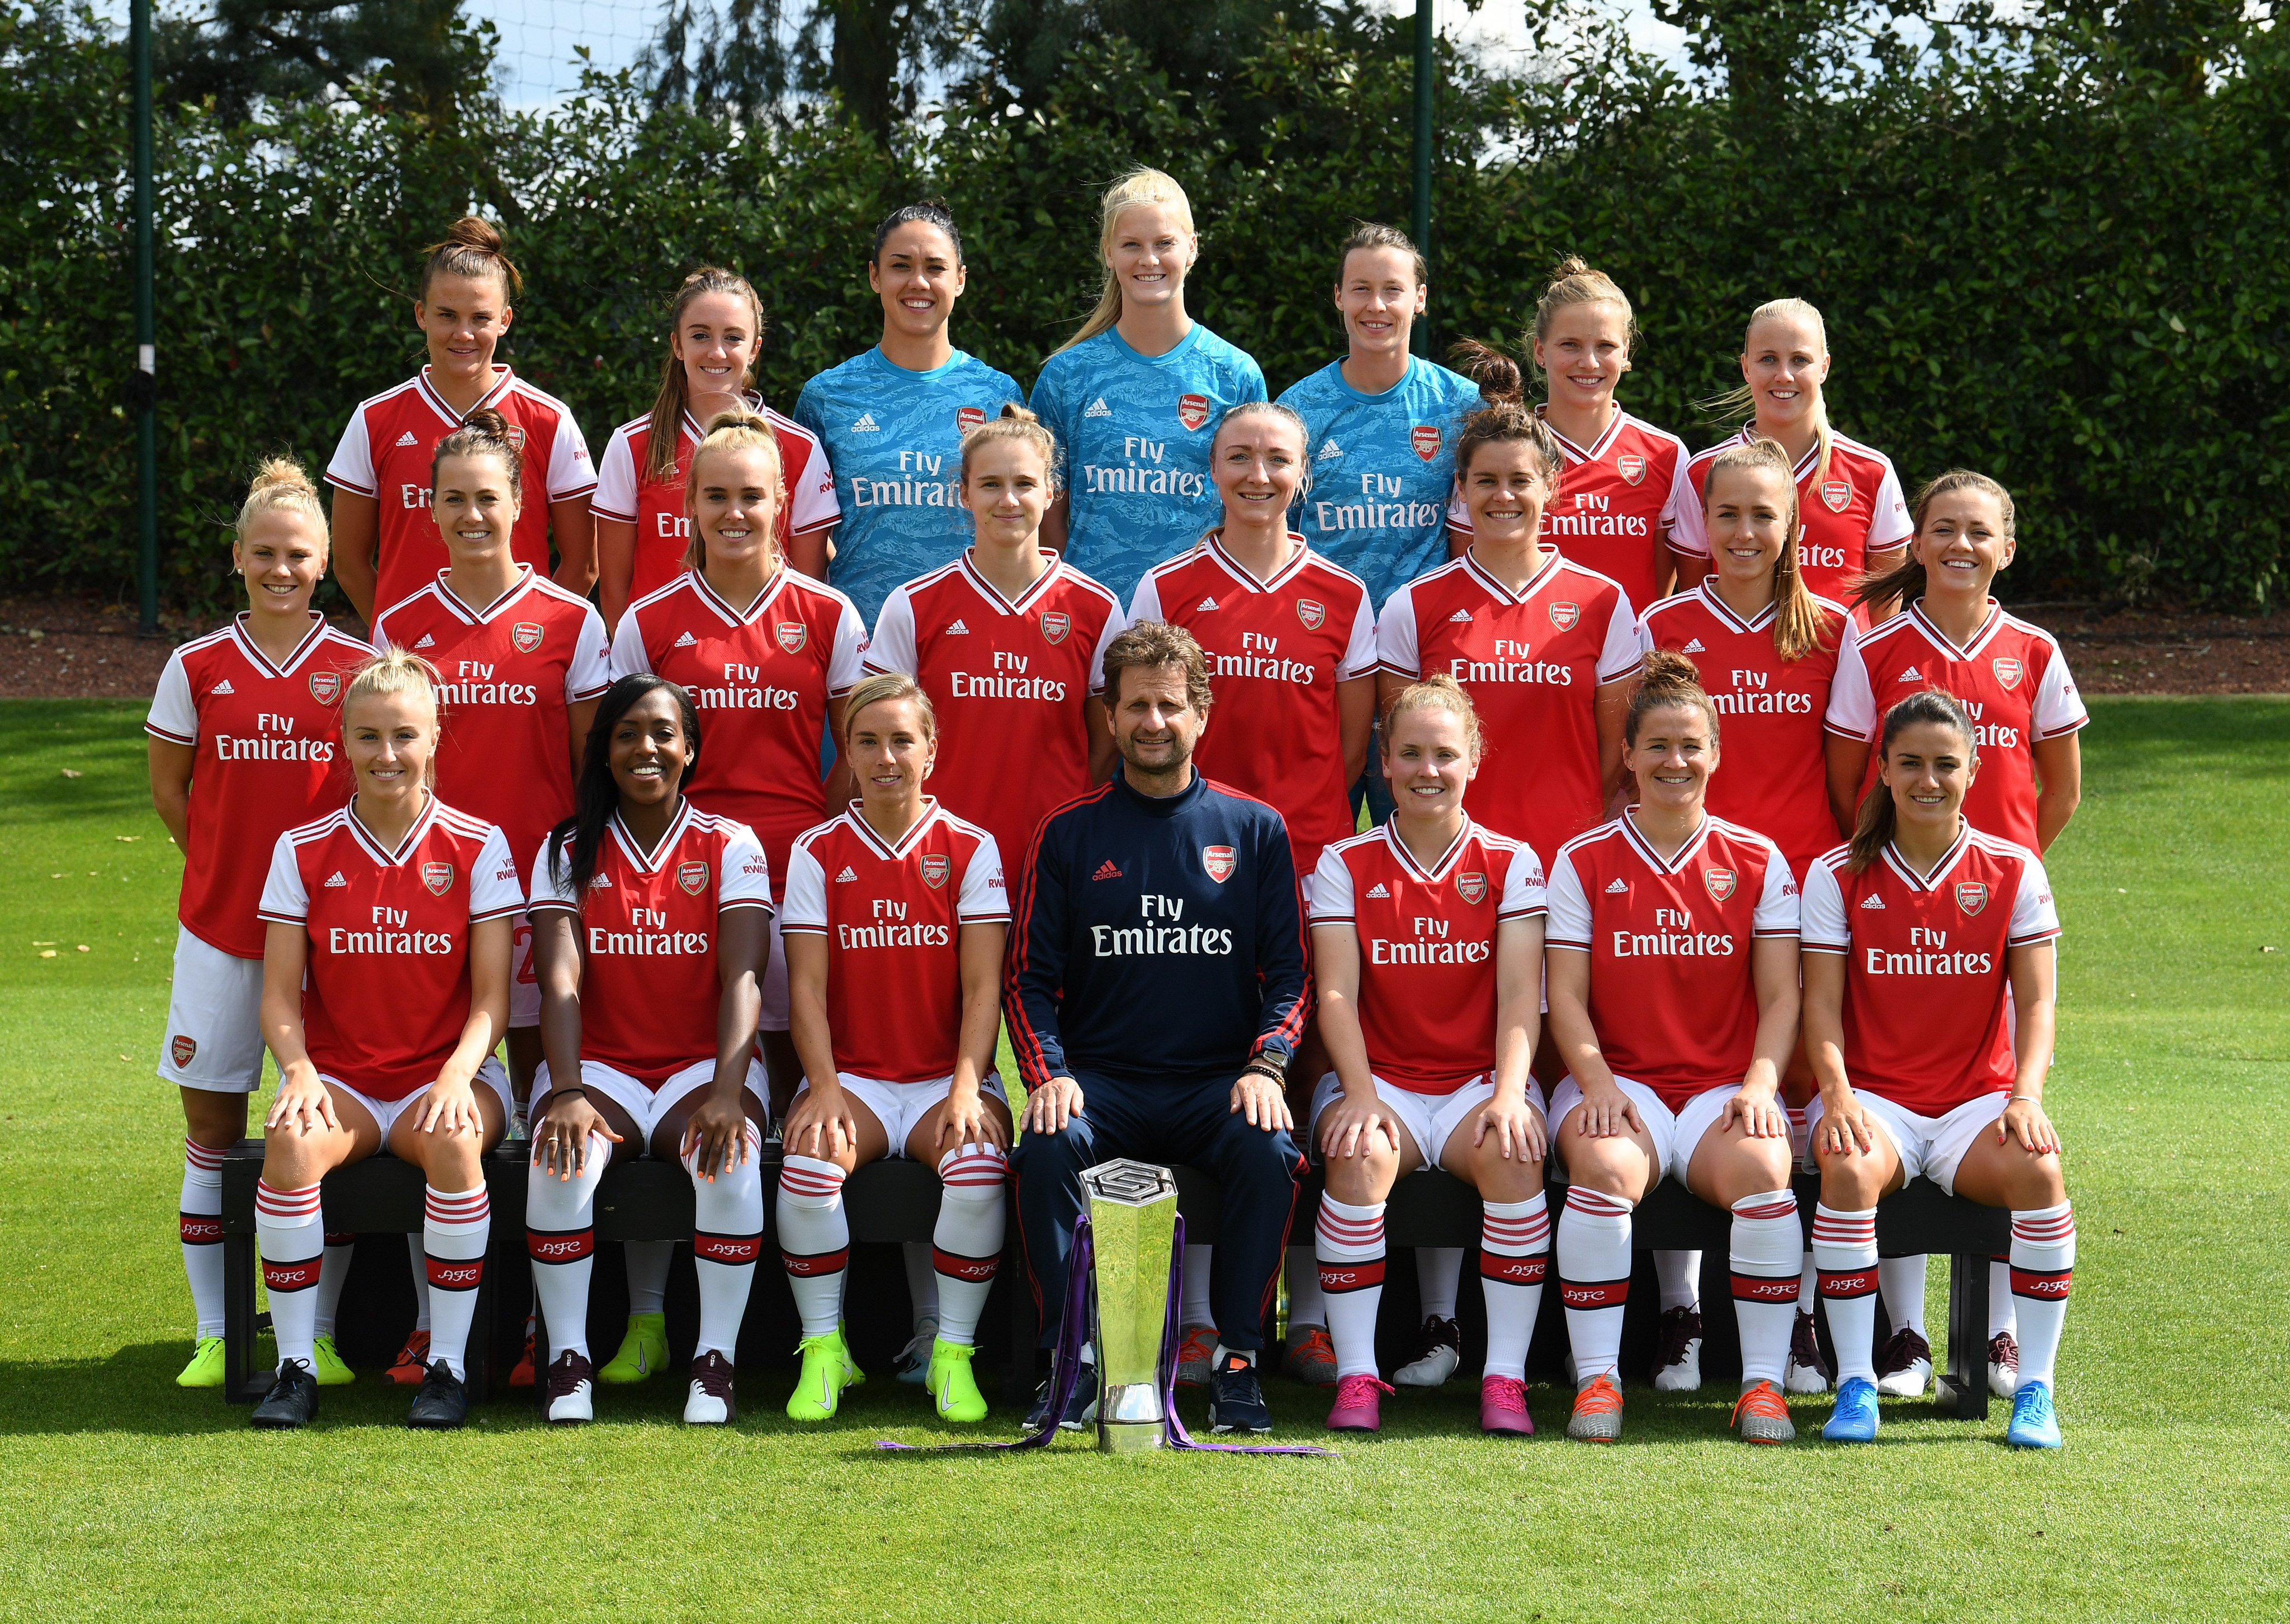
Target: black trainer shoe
[[1236, 1397], [443, 1403], [293, 1400], [1081, 1409]]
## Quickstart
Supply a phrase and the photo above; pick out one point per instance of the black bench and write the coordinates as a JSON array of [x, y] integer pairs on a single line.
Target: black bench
[[897, 1201]]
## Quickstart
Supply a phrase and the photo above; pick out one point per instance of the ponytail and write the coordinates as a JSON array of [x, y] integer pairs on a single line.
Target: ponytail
[[1907, 580], [394, 672], [1667, 679], [1797, 616], [1442, 693], [1015, 424], [282, 485], [573, 845], [1138, 188], [1742, 398], [1506, 416], [1872, 830], [471, 247], [484, 433], [1575, 283], [666, 427]]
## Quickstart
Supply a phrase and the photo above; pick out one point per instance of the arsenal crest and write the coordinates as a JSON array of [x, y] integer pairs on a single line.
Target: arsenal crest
[[438, 878], [791, 636], [936, 866], [968, 419], [526, 636], [1471, 887], [1054, 627], [1562, 615], [1426, 439], [1632, 468], [693, 877], [1220, 861], [1192, 410], [325, 686], [1837, 495], [2007, 671], [1719, 883], [515, 434], [182, 1048], [1972, 896], [1314, 615]]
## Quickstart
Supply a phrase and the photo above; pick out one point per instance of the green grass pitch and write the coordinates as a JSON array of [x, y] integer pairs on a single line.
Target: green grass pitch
[[121, 1496]]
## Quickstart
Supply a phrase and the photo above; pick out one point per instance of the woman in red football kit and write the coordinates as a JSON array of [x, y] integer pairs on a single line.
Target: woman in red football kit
[[1427, 942], [1672, 977], [1770, 649], [768, 655], [385, 986], [895, 920], [244, 744], [1853, 518], [1928, 1010], [714, 334], [385, 546], [651, 928]]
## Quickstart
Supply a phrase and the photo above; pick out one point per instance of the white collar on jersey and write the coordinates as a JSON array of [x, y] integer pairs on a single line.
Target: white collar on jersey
[[245, 637], [1718, 605], [722, 605], [1535, 583], [1653, 859], [382, 855], [857, 819], [1437, 871], [1213, 544], [992, 594], [1598, 448], [502, 385], [633, 848], [698, 430], [1946, 644], [456, 607], [1931, 882]]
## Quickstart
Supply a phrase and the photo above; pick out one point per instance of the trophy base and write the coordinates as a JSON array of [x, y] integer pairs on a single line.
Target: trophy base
[[1129, 1437]]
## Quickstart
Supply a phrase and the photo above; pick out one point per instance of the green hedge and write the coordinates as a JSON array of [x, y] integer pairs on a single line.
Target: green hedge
[[2043, 265]]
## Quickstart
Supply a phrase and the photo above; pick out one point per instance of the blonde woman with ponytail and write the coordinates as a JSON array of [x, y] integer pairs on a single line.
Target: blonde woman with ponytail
[[1135, 396], [1854, 520], [244, 745], [714, 334]]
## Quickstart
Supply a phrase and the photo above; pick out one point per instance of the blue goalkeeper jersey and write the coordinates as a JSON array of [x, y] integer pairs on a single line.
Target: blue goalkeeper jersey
[[1156, 939], [893, 439], [1383, 467], [1134, 435]]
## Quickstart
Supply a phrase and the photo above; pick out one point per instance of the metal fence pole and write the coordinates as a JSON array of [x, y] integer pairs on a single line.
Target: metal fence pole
[[1425, 80], [142, 386]]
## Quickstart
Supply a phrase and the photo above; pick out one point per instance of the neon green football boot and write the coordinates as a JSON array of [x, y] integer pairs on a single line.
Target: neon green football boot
[[643, 1350], [827, 1370], [205, 1368], [326, 1365], [953, 1389]]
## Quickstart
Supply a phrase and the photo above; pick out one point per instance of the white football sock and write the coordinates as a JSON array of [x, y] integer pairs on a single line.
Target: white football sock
[[1514, 1258], [455, 1227], [727, 1238], [199, 1223], [1844, 1253], [1349, 1243], [2042, 1269], [2003, 1306], [648, 1263], [814, 1240], [560, 1237], [334, 1270], [1763, 1258], [1439, 1279], [1902, 1281], [292, 1236], [1198, 1262], [1305, 1307], [922, 1280], [1679, 1275], [1594, 1278], [421, 1263], [966, 1246]]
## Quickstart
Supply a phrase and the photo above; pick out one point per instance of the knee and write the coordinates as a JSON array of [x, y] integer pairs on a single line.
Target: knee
[[2040, 1182], [1848, 1180], [1247, 1152], [1365, 1177], [1064, 1152], [1611, 1166]]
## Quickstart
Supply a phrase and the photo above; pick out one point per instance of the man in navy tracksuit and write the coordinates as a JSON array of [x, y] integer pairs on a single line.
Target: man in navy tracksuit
[[1156, 987]]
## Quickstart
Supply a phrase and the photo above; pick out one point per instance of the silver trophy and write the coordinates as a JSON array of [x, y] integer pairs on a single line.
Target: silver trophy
[[1133, 1220]]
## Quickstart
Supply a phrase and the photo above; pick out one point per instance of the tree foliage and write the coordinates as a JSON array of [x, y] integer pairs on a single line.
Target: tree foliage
[[2042, 253]]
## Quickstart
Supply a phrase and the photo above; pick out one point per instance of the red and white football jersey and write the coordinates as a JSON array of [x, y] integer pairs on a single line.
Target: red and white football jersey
[[1617, 503], [1857, 510], [505, 674], [1007, 681], [893, 916], [385, 453], [387, 991], [650, 985], [1533, 663], [269, 741], [1276, 650], [761, 680], [1672, 997], [1772, 771], [1927, 959], [1427, 947], [2010, 676], [656, 508]]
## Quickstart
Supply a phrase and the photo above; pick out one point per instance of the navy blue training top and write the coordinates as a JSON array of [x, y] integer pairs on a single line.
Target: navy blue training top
[[1156, 939]]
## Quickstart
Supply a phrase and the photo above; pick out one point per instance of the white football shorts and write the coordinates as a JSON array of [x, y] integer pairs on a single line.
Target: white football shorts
[[1932, 1147], [214, 1020], [1676, 1134], [1431, 1119], [386, 1112], [646, 1107], [900, 1107]]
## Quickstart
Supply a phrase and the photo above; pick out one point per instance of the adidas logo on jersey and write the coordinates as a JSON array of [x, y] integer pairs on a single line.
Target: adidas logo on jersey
[[1910, 676], [1098, 408], [601, 882], [1207, 603], [1329, 451], [221, 687], [1462, 616], [1378, 892], [337, 880], [866, 424], [407, 438], [1619, 885], [1693, 647], [846, 876], [1873, 901], [957, 629], [1106, 870], [685, 640], [427, 642]]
